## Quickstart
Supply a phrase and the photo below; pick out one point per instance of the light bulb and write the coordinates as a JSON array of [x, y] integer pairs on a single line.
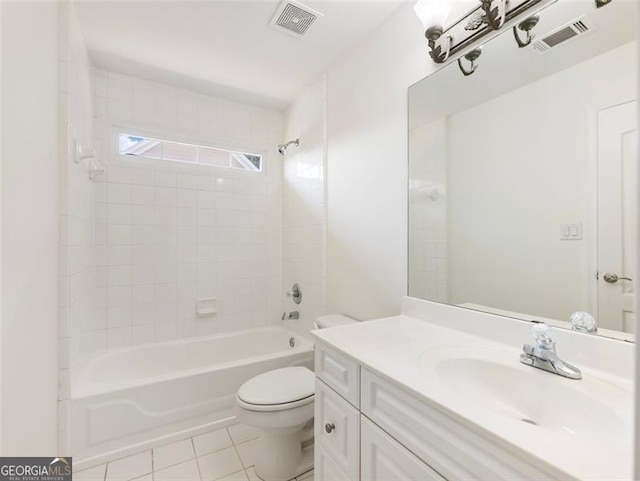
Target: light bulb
[[432, 13]]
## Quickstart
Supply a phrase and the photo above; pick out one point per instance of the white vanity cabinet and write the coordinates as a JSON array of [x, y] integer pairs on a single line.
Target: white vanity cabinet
[[336, 417], [348, 446], [337, 429], [383, 458], [368, 428]]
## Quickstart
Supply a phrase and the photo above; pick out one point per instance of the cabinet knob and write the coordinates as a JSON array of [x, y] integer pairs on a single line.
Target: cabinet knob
[[329, 427]]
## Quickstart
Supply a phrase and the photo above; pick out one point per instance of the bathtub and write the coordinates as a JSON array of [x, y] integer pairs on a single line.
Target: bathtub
[[129, 399]]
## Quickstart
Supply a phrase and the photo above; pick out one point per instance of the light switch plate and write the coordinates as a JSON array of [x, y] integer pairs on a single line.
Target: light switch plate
[[572, 231]]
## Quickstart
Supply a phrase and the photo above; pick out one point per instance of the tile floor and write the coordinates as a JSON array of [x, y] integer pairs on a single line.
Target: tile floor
[[223, 455]]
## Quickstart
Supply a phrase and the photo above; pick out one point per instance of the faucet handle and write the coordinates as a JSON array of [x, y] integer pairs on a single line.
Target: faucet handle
[[583, 322], [542, 335]]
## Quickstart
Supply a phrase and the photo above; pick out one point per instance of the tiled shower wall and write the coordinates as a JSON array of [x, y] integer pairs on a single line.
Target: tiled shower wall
[[303, 205], [76, 210], [428, 252], [168, 234]]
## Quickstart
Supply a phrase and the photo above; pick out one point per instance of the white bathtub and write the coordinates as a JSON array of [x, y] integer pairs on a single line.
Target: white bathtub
[[128, 399]]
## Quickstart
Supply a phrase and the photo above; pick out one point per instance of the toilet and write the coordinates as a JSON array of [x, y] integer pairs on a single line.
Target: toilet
[[280, 404]]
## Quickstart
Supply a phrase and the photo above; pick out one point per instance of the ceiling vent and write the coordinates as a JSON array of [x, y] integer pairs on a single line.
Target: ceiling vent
[[294, 18], [561, 35]]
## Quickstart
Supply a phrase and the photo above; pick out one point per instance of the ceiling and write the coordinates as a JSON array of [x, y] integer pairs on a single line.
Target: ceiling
[[225, 47]]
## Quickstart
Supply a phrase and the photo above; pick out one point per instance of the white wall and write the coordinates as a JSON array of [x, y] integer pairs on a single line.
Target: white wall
[[517, 171], [367, 168], [167, 234], [303, 203], [636, 308], [76, 203], [1, 263], [29, 227]]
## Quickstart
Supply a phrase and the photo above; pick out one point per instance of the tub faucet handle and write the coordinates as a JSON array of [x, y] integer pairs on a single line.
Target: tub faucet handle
[[295, 293]]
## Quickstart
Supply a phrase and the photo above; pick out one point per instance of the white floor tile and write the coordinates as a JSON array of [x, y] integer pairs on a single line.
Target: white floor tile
[[239, 476], [180, 472], [241, 433], [92, 474], [173, 453], [219, 464], [129, 468], [306, 476], [146, 477], [247, 452], [251, 473], [213, 441]]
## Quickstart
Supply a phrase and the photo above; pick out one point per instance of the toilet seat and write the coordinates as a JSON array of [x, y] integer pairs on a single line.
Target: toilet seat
[[278, 390]]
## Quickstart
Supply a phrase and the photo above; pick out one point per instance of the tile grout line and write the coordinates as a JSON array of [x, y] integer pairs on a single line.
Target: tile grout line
[[195, 454], [174, 463], [235, 448], [196, 457]]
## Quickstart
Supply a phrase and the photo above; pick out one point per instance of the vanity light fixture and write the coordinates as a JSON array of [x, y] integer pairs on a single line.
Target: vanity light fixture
[[453, 28], [602, 3], [527, 25], [472, 57], [433, 14], [495, 12]]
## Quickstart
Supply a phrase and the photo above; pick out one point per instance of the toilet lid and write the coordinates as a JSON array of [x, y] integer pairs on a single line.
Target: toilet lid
[[280, 386]]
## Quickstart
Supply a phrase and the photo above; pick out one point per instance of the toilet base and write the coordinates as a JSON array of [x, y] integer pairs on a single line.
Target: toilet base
[[292, 461]]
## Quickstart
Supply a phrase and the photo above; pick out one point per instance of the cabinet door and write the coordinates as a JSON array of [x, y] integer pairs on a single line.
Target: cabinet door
[[326, 469], [337, 429], [384, 459], [442, 442]]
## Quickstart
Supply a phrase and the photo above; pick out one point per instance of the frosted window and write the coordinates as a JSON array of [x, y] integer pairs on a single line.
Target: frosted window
[[150, 148]]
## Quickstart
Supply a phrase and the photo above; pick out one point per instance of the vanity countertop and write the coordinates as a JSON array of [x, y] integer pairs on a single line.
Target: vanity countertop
[[444, 368]]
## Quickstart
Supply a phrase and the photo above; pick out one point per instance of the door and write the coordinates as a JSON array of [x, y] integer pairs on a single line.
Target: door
[[617, 163]]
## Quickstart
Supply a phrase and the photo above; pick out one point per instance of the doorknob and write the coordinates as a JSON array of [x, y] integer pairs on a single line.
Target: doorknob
[[612, 278]]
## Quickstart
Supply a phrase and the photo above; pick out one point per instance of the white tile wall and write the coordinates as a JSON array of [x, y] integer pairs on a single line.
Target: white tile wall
[[169, 234], [303, 206], [428, 253], [76, 213]]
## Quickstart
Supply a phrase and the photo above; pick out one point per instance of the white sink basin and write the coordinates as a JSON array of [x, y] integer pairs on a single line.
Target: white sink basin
[[498, 382]]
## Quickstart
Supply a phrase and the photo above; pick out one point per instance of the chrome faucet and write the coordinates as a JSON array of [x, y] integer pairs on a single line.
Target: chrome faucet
[[543, 354]]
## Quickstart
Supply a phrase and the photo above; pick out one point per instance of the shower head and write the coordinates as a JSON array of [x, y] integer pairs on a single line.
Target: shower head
[[282, 148]]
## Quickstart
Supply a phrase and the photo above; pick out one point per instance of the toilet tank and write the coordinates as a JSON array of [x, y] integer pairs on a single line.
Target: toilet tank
[[333, 320]]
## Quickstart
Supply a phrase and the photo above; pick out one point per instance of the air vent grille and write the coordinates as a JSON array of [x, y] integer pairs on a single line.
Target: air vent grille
[[294, 18], [574, 29], [581, 26]]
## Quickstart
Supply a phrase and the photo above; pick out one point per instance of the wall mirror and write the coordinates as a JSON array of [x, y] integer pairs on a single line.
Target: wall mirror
[[523, 175]]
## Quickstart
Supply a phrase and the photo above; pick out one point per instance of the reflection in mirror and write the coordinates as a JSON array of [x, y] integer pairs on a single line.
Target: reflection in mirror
[[522, 176]]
